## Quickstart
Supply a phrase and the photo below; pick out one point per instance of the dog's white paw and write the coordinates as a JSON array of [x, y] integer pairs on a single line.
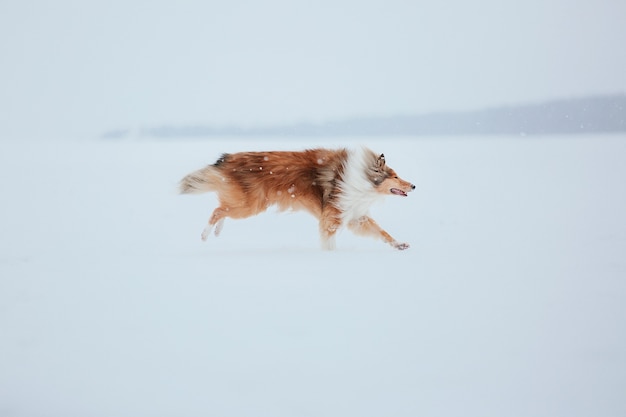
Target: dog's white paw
[[218, 227], [206, 232], [401, 246]]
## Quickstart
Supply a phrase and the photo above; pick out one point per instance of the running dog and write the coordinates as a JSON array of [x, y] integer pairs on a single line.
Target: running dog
[[336, 186]]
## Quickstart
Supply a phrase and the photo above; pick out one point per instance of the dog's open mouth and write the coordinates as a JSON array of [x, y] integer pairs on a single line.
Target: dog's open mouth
[[397, 191]]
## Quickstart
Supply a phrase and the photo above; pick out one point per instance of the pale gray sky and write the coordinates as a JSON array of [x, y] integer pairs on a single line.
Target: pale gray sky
[[79, 68]]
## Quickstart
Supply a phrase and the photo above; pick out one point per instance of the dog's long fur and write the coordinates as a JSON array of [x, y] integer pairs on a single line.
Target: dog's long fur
[[335, 186]]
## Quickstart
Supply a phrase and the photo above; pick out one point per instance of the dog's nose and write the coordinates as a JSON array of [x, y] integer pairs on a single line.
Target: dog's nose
[[412, 186]]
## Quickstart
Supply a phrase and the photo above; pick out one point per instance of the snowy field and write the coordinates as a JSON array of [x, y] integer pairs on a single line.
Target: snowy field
[[511, 301]]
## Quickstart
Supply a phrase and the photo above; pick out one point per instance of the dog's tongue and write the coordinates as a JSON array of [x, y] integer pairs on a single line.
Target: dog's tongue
[[398, 192]]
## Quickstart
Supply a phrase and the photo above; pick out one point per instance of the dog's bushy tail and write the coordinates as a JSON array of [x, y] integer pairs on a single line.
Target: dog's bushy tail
[[200, 181]]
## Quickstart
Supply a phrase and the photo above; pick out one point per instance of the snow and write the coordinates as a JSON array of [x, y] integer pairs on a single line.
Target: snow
[[510, 301]]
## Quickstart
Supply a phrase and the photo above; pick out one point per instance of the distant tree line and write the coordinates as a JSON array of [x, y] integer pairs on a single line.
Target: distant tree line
[[598, 114]]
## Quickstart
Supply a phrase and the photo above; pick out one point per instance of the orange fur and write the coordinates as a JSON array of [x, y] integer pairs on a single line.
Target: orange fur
[[320, 181]]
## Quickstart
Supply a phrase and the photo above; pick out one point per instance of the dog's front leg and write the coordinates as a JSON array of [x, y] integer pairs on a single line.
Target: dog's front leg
[[330, 222], [366, 226]]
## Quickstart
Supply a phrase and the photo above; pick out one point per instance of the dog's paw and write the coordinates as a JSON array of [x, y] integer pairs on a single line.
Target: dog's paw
[[206, 232], [218, 227], [401, 246]]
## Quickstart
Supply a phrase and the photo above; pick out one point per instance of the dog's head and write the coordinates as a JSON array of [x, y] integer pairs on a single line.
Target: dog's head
[[385, 179]]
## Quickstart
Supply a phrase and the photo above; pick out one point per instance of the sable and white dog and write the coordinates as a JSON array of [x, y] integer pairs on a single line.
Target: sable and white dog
[[336, 186]]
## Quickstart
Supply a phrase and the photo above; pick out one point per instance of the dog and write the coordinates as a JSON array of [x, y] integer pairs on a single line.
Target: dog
[[336, 186]]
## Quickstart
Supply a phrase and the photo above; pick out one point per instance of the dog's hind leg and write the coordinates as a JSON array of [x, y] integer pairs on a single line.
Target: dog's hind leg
[[217, 221], [220, 214], [366, 226], [218, 227]]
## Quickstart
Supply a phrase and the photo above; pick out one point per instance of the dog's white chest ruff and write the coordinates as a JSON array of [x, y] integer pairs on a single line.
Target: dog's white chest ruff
[[357, 192]]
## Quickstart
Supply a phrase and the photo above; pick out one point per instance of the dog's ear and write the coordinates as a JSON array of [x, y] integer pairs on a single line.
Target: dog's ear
[[380, 163]]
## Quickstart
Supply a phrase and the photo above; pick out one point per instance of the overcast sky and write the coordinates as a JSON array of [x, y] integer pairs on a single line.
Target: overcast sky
[[79, 68]]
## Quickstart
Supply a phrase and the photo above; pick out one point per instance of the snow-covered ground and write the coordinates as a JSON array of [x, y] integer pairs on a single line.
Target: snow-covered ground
[[511, 300]]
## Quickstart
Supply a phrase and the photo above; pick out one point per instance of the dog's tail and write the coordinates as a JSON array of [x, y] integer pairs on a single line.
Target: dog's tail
[[201, 181]]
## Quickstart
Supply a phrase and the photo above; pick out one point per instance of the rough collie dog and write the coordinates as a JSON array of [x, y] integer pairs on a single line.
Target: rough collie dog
[[335, 186]]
